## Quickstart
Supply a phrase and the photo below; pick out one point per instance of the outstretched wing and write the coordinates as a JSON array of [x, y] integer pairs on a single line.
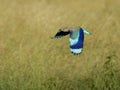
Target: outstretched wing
[[61, 33], [76, 42]]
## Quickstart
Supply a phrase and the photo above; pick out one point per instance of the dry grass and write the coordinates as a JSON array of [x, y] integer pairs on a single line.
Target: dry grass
[[30, 60]]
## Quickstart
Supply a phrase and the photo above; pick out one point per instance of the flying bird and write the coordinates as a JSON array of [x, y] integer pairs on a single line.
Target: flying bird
[[76, 38]]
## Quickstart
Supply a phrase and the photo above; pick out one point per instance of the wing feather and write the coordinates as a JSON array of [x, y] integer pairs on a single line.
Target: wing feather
[[61, 33]]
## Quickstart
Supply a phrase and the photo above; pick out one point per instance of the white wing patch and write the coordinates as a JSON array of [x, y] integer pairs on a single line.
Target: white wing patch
[[76, 51]]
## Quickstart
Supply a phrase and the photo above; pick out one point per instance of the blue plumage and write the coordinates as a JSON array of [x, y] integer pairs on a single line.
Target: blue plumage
[[80, 39], [76, 39]]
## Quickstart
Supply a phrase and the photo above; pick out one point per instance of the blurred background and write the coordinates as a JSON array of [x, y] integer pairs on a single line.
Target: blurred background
[[30, 60]]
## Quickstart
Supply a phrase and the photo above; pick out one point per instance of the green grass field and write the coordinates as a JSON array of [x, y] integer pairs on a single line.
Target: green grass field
[[30, 60]]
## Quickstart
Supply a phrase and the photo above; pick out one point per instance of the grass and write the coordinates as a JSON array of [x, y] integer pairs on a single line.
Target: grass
[[30, 60]]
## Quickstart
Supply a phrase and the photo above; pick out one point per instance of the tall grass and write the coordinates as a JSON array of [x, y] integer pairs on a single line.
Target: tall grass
[[30, 60], [105, 77]]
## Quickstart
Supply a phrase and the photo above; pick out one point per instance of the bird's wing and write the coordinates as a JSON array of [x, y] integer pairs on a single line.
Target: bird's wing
[[87, 32], [61, 33], [76, 44]]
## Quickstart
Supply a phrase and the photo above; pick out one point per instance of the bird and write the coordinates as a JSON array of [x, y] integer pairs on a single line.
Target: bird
[[76, 38]]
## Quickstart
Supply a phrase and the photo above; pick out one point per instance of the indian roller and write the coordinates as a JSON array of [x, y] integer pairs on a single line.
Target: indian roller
[[76, 38]]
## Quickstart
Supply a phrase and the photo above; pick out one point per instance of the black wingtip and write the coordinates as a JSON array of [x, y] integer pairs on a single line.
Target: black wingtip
[[75, 53], [56, 37]]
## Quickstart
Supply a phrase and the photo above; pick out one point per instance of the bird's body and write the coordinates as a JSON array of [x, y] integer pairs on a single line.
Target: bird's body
[[76, 41], [76, 38]]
